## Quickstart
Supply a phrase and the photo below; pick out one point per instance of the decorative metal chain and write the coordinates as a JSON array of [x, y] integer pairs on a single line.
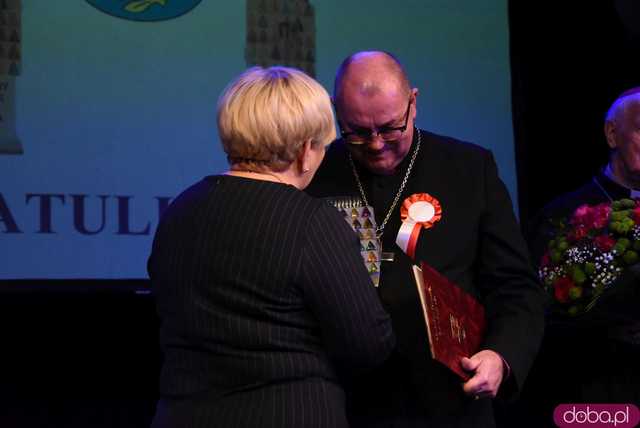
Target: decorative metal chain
[[380, 229]]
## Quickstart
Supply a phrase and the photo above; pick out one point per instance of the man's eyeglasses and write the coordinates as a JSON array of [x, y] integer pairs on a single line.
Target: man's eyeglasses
[[387, 133]]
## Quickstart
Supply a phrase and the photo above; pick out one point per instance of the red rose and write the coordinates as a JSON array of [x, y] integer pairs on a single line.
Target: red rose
[[587, 217], [577, 234], [600, 216], [604, 243], [545, 261], [581, 215], [636, 214], [561, 289]]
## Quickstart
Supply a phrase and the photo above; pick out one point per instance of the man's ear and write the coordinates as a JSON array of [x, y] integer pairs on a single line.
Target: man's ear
[[414, 94], [610, 133]]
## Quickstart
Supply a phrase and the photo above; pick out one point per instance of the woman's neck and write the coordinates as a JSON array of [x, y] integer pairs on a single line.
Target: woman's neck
[[258, 175]]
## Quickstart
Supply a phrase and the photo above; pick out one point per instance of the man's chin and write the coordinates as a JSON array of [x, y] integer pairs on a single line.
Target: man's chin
[[380, 167]]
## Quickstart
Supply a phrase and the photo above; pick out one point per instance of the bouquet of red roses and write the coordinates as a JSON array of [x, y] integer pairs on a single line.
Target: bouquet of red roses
[[589, 252]]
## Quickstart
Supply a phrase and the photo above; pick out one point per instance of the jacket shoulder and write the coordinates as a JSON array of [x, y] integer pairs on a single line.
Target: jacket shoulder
[[453, 148]]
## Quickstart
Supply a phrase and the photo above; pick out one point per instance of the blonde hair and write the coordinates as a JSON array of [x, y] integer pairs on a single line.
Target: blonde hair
[[266, 114]]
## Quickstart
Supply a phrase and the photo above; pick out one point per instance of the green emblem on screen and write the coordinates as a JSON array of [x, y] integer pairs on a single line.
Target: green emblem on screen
[[145, 10]]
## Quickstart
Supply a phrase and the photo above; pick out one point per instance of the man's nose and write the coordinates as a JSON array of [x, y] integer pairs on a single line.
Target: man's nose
[[375, 142]]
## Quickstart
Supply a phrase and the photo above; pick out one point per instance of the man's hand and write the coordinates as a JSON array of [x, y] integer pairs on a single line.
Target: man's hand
[[488, 368]]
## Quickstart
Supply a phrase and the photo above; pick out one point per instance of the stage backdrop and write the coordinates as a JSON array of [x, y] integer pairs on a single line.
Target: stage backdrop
[[108, 107]]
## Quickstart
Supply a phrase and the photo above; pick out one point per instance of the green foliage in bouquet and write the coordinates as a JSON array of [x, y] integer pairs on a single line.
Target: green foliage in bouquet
[[588, 252]]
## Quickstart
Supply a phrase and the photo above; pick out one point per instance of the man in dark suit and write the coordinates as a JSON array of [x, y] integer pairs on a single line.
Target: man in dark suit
[[383, 159], [610, 332], [619, 179]]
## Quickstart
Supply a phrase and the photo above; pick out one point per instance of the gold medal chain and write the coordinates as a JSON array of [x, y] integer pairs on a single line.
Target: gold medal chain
[[380, 229]]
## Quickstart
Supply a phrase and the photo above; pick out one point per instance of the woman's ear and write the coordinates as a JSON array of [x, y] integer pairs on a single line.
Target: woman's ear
[[304, 157]]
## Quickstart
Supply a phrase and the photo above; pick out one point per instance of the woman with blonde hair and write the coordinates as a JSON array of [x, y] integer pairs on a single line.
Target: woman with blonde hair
[[264, 301]]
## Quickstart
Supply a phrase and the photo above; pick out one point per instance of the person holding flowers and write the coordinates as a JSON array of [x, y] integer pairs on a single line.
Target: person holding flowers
[[587, 244]]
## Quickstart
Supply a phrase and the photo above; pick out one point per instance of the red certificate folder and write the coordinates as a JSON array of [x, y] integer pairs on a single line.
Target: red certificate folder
[[455, 319]]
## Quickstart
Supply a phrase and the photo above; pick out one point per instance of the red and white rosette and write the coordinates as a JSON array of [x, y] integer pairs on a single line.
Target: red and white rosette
[[419, 211]]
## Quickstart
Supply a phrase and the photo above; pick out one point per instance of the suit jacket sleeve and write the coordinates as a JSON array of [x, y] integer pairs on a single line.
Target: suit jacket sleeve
[[514, 300], [355, 327]]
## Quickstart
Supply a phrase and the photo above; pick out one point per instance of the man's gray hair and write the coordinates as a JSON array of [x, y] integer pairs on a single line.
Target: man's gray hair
[[620, 105]]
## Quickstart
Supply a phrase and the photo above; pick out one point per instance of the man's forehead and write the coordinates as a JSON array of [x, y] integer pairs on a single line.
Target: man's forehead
[[371, 93], [365, 88], [372, 79], [633, 110], [371, 114]]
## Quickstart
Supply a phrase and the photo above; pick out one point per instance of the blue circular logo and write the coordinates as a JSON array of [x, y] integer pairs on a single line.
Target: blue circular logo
[[145, 10]]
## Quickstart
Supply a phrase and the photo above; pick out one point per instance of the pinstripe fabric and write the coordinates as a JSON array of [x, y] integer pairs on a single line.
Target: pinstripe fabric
[[264, 301]]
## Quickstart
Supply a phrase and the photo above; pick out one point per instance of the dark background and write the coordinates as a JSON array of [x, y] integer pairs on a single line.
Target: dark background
[[82, 359], [569, 62], [90, 358]]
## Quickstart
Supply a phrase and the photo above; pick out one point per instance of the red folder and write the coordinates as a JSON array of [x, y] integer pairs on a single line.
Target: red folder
[[455, 319]]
